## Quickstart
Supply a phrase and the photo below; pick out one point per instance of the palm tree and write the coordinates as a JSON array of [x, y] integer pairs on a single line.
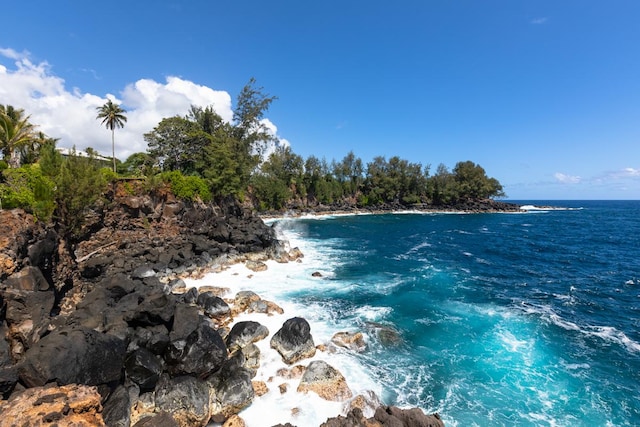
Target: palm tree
[[112, 116], [15, 133]]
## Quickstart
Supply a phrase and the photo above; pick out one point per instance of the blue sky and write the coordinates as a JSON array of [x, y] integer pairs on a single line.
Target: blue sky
[[545, 95]]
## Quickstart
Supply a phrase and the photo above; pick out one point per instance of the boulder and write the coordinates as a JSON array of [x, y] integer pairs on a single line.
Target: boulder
[[186, 319], [367, 402], [97, 359], [117, 408], [294, 341], [69, 405], [232, 391], [143, 368], [28, 279], [243, 299], [8, 380], [186, 398], [245, 333], [326, 381], [153, 338], [213, 305], [353, 341], [201, 353], [156, 308]]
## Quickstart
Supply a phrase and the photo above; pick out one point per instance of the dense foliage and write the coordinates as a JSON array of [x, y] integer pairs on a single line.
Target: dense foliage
[[203, 157]]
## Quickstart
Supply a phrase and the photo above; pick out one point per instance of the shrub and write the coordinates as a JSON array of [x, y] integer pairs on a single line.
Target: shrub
[[187, 187], [29, 189]]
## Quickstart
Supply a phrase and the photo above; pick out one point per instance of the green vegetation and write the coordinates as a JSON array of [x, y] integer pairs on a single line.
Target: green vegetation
[[200, 157]]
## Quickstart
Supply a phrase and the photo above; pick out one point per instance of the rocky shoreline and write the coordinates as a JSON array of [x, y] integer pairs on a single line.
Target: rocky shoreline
[[101, 329]]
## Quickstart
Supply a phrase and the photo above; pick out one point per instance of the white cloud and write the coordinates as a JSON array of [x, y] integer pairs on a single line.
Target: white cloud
[[70, 115], [631, 172], [566, 179]]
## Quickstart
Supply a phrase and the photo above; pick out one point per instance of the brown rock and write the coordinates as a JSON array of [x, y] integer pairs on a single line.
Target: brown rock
[[256, 265], [283, 388], [326, 381], [234, 421], [350, 340], [260, 388], [66, 406], [367, 402], [293, 373]]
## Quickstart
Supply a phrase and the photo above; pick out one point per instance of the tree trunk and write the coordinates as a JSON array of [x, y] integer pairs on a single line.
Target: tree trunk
[[113, 150]]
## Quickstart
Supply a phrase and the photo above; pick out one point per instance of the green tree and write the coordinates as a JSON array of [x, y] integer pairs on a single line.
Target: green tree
[[15, 132], [176, 144], [112, 116], [473, 182]]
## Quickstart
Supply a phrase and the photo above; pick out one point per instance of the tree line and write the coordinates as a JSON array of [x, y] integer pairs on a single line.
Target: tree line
[[203, 157]]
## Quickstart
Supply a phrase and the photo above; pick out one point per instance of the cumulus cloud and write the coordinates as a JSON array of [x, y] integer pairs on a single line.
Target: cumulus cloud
[[70, 115], [566, 179]]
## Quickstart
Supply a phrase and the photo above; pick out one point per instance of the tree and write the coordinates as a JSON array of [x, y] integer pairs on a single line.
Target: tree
[[473, 182], [15, 133], [174, 145], [112, 117]]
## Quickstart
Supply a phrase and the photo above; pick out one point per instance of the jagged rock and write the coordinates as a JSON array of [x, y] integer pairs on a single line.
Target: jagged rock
[[117, 408], [156, 308], [161, 419], [186, 398], [96, 359], [294, 341], [316, 274], [350, 340], [28, 318], [295, 254], [201, 353], [143, 368], [154, 338], [213, 305], [245, 333], [326, 381], [414, 417], [191, 296], [69, 405], [178, 286]]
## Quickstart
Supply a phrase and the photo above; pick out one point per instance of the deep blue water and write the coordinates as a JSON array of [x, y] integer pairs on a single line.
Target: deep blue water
[[503, 319]]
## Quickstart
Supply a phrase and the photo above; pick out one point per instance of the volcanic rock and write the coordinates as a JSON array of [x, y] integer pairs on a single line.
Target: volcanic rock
[[294, 341], [326, 381]]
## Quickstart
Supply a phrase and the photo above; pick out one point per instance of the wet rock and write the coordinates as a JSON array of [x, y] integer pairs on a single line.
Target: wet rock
[[260, 388], [294, 341], [393, 416], [316, 274], [243, 299], [256, 265], [367, 402], [232, 392], [387, 335], [353, 341], [213, 305], [96, 359], [69, 405], [186, 398], [245, 333], [234, 421], [324, 380]]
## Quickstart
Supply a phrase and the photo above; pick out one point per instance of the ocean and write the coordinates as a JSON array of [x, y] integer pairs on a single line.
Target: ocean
[[505, 319]]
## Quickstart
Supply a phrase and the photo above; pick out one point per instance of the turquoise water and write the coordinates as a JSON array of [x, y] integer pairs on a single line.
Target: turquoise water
[[525, 319]]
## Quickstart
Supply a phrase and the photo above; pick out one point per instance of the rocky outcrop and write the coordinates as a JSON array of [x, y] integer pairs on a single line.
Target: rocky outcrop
[[386, 416], [294, 341], [353, 341], [106, 311], [65, 406], [326, 381]]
